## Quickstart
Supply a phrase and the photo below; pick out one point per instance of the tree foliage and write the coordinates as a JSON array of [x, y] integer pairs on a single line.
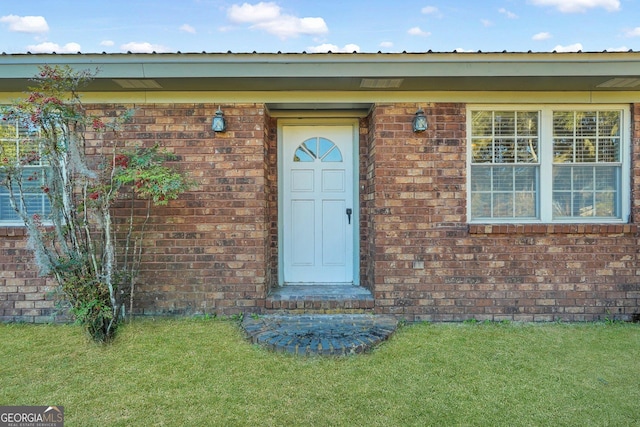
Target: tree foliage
[[78, 243]]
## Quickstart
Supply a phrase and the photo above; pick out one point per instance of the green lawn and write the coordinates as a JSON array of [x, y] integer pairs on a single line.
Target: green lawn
[[203, 373]]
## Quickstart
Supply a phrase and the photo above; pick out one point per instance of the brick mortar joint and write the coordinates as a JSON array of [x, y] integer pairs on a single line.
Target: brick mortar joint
[[13, 231], [553, 229]]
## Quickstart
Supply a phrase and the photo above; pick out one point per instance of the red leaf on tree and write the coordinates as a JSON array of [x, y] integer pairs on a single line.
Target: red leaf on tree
[[121, 160], [97, 124]]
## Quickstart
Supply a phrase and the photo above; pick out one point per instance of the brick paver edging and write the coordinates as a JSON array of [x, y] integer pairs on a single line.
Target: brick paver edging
[[324, 334]]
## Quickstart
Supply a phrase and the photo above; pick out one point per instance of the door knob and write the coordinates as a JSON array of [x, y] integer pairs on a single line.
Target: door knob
[[349, 212]]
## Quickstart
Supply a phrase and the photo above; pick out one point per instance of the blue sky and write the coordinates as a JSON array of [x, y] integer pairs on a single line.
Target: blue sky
[[91, 26]]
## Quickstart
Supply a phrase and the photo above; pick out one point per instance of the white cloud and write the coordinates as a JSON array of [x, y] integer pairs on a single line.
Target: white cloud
[[617, 49], [290, 26], [570, 48], [269, 17], [462, 50], [541, 36], [386, 44], [248, 13], [187, 29], [633, 33], [507, 13], [486, 22], [576, 6], [26, 24], [431, 10], [416, 31], [326, 47], [107, 43], [49, 47], [143, 47]]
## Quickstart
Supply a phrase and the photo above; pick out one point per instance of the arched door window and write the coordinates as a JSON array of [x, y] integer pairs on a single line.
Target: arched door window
[[317, 148]]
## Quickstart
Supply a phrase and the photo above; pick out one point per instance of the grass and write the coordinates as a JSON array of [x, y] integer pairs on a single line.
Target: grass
[[202, 372]]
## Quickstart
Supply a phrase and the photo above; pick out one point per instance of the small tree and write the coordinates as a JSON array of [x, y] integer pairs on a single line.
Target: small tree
[[94, 264]]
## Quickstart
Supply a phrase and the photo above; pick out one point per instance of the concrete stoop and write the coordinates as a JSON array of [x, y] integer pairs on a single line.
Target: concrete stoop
[[326, 299], [323, 334]]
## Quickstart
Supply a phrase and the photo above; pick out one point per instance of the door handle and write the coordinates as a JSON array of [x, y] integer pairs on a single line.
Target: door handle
[[349, 212]]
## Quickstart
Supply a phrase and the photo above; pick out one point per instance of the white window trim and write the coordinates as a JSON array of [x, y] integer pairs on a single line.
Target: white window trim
[[18, 222], [546, 161]]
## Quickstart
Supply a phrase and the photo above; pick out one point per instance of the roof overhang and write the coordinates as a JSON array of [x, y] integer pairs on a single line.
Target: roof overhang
[[358, 72]]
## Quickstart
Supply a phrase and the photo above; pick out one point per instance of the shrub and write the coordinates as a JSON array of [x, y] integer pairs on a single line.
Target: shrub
[[77, 243]]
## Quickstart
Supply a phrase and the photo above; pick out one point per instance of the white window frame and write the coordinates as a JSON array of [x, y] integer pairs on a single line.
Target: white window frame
[[44, 202], [545, 141]]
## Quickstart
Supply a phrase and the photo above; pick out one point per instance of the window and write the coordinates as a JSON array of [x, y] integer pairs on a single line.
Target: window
[[552, 164], [317, 148], [19, 144]]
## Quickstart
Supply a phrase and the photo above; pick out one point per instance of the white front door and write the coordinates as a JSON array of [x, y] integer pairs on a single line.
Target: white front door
[[318, 212]]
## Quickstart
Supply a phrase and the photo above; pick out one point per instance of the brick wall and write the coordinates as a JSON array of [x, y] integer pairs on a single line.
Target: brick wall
[[207, 251], [215, 249], [429, 265], [366, 185], [271, 172], [24, 296], [209, 254]]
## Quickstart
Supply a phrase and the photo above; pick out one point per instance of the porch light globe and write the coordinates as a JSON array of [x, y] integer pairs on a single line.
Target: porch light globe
[[219, 124], [420, 121]]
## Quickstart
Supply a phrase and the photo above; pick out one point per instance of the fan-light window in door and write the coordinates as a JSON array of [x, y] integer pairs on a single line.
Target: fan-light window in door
[[317, 148]]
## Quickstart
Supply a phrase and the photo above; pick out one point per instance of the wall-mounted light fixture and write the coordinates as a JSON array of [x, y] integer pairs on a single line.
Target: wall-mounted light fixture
[[219, 124], [420, 121]]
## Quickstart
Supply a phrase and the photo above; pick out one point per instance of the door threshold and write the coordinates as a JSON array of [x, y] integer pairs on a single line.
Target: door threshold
[[318, 284], [323, 291], [320, 299]]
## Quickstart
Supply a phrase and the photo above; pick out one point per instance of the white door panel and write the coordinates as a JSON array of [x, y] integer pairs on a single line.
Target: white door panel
[[333, 243], [303, 218], [317, 191]]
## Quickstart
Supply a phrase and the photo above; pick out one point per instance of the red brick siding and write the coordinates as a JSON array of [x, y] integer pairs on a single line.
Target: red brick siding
[[24, 296], [429, 265], [206, 251], [271, 172], [215, 250], [366, 171]]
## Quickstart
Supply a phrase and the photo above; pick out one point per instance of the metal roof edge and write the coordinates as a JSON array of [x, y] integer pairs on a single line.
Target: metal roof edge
[[428, 56]]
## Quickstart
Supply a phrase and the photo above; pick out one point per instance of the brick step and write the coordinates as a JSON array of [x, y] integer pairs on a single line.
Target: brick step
[[324, 334], [328, 299]]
